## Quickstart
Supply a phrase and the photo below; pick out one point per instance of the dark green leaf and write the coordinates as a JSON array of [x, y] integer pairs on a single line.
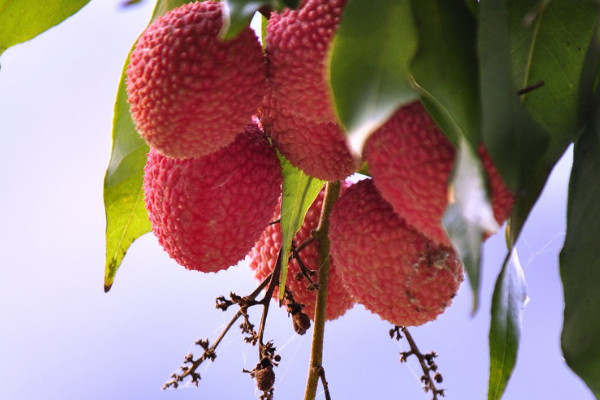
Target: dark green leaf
[[369, 67], [23, 20], [473, 6], [549, 41], [126, 216], [299, 192], [291, 3], [445, 66], [469, 214], [580, 260], [508, 301], [240, 13], [516, 143]]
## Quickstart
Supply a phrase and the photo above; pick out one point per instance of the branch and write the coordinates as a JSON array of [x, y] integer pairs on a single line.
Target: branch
[[332, 191], [427, 362], [210, 351]]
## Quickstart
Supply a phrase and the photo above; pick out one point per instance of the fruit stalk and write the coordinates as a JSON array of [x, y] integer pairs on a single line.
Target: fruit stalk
[[332, 192]]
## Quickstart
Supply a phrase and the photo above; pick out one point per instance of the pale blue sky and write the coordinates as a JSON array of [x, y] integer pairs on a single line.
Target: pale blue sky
[[62, 338]]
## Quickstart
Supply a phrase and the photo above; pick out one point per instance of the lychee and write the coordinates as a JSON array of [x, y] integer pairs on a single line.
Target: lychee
[[208, 212], [263, 258], [411, 160], [320, 149], [298, 111], [297, 46], [388, 266], [190, 92]]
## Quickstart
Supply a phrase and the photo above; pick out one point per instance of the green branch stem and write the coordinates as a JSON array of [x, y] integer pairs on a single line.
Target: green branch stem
[[315, 370]]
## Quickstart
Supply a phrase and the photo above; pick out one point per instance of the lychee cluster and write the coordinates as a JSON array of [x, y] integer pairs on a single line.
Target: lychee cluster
[[212, 178], [214, 112]]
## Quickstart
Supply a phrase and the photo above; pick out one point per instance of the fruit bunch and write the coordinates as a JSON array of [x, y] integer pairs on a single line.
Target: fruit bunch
[[212, 178], [214, 112]]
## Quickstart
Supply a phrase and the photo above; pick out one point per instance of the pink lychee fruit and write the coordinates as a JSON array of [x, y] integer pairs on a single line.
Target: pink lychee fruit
[[411, 161], [388, 266], [297, 46], [298, 110], [263, 258], [190, 91], [208, 212], [320, 149]]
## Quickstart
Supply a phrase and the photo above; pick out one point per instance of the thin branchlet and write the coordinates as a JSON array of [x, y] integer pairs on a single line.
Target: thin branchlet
[[431, 375], [190, 364]]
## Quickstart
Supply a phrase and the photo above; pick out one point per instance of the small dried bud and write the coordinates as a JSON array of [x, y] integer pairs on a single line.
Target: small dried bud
[[438, 378], [301, 323], [265, 378]]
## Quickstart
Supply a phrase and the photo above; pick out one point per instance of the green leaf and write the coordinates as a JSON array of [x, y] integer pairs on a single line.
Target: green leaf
[[299, 192], [580, 260], [532, 41], [469, 214], [515, 142], [549, 41], [548, 44], [291, 3], [23, 20], [369, 65], [164, 6], [444, 68], [473, 6], [239, 13], [126, 215], [508, 301]]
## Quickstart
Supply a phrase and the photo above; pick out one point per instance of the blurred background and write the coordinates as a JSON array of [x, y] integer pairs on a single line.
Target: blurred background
[[62, 337]]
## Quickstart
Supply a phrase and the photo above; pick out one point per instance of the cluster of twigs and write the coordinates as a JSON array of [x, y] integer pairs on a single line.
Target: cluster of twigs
[[427, 362], [268, 358]]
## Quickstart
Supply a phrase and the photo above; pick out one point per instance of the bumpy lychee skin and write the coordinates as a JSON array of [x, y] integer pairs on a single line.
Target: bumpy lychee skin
[[298, 110], [263, 258], [297, 45], [411, 160], [387, 266], [190, 92], [319, 149], [208, 212]]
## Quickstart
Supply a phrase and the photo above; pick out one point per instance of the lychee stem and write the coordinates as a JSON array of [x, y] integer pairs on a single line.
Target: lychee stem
[[315, 370]]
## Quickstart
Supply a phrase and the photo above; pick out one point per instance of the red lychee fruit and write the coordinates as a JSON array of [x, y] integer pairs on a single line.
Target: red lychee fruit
[[190, 92], [319, 149], [263, 258], [208, 212], [389, 267], [297, 45], [298, 111], [411, 160]]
